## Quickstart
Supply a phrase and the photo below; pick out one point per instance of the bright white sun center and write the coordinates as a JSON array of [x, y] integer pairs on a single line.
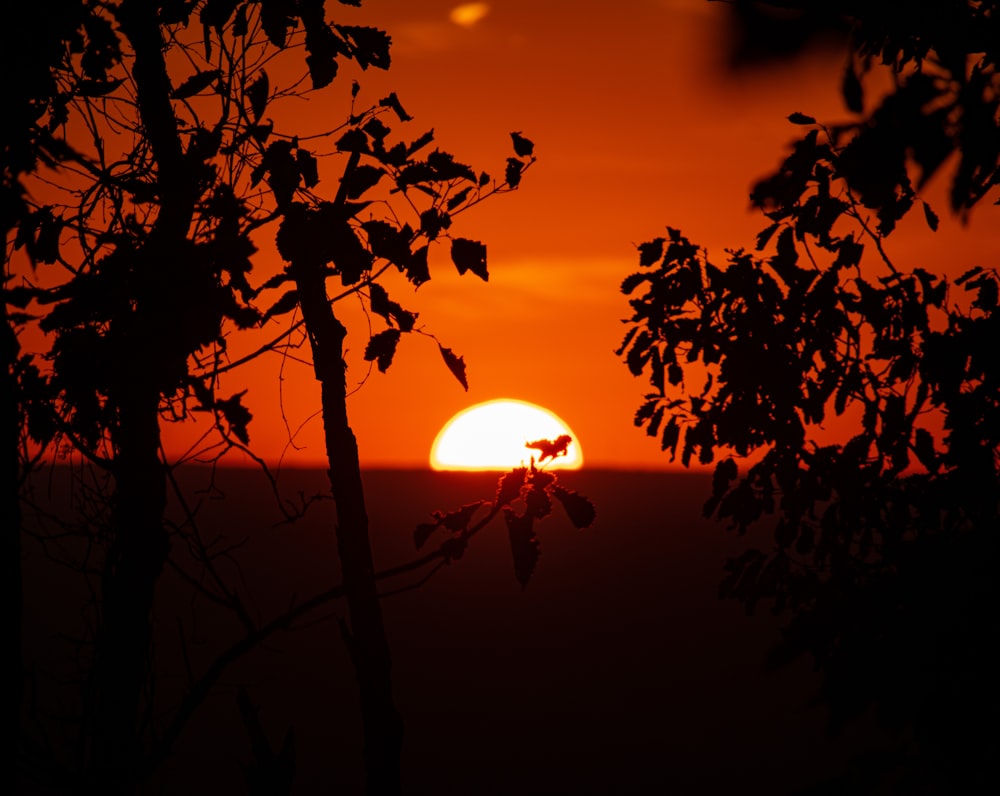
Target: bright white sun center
[[493, 436]]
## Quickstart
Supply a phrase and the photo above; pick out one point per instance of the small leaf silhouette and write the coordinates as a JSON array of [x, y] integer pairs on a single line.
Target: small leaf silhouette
[[523, 545], [800, 118], [392, 102], [550, 449], [195, 84], [512, 173], [360, 179], [237, 415], [258, 94], [509, 486], [470, 255], [852, 90], [307, 167], [382, 348], [930, 216], [523, 147], [286, 303], [581, 512], [455, 364]]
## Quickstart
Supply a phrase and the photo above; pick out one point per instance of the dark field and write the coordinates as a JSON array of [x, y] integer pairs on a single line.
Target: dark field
[[616, 671]]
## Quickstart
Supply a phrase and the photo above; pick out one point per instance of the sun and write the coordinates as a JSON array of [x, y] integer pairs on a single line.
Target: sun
[[494, 436]]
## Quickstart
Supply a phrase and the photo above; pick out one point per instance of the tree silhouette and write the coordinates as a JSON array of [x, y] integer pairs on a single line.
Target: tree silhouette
[[141, 161], [883, 538]]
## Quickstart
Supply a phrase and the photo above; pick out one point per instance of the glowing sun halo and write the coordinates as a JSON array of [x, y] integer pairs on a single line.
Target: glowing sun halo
[[468, 14], [493, 435]]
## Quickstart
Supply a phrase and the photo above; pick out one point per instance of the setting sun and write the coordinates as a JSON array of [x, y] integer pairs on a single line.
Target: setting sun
[[495, 436]]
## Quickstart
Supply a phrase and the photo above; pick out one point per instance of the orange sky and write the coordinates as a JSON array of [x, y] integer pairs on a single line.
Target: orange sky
[[637, 125]]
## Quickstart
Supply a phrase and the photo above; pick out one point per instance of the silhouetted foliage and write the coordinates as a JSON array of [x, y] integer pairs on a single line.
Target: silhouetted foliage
[[523, 496], [157, 146], [884, 535]]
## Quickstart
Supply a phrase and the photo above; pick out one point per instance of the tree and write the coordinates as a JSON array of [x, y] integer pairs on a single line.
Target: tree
[[139, 172], [883, 539]]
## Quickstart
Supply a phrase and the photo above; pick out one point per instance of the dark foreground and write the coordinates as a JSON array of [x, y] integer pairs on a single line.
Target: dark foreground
[[617, 671]]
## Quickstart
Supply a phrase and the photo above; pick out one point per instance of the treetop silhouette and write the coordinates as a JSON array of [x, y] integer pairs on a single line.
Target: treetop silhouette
[[880, 537]]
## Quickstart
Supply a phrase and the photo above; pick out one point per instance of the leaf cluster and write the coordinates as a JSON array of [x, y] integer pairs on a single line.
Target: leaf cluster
[[749, 359], [524, 495]]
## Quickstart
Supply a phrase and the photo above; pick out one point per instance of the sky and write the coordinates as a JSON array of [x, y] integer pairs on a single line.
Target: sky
[[639, 123]]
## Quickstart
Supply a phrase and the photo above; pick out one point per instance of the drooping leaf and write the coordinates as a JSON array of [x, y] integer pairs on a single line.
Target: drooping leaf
[[930, 216], [580, 510], [456, 365], [523, 545], [237, 416], [512, 173], [381, 348], [258, 94], [509, 486], [469, 255]]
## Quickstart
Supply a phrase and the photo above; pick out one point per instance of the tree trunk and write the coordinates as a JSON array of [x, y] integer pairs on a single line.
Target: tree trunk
[[140, 544], [135, 560], [11, 513], [383, 727]]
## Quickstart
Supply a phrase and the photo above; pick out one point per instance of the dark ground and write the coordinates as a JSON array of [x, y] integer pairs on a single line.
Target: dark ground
[[617, 671]]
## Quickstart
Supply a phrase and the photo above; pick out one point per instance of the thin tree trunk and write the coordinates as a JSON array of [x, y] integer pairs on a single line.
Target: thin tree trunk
[[11, 512], [135, 561], [369, 648], [140, 544]]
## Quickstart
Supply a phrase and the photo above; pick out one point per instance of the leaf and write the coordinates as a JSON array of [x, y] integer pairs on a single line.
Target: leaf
[[800, 118], [930, 216], [420, 143], [512, 174], [354, 140], [581, 512], [276, 17], [237, 415], [360, 179], [523, 545], [370, 46], [455, 364], [523, 147], [550, 449], [509, 486], [852, 90], [195, 84], [469, 255], [258, 94], [392, 102], [307, 167], [423, 532], [433, 221], [288, 302], [458, 198], [416, 267], [649, 254], [975, 271], [382, 348]]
